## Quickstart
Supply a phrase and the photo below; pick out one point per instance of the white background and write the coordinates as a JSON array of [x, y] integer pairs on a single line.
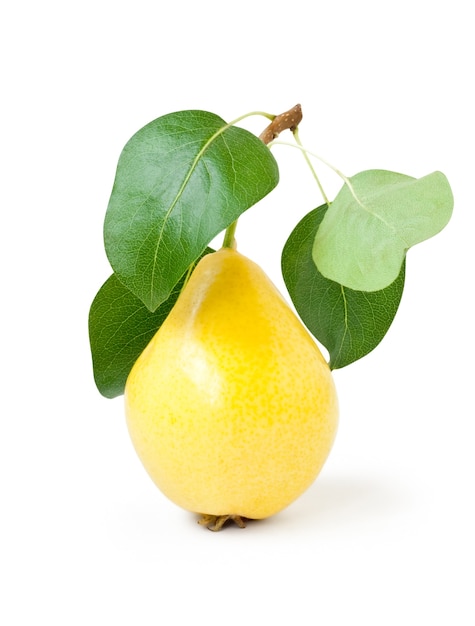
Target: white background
[[385, 535]]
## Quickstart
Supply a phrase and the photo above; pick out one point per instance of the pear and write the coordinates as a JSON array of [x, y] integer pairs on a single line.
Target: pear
[[231, 407]]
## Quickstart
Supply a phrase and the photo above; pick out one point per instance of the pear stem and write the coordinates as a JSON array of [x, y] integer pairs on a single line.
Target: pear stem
[[229, 240], [285, 121]]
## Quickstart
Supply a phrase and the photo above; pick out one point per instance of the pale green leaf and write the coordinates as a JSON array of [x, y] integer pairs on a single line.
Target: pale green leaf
[[374, 220]]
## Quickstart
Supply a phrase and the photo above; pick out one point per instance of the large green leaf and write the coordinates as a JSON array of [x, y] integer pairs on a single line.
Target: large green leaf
[[373, 221], [348, 323], [120, 327], [180, 181]]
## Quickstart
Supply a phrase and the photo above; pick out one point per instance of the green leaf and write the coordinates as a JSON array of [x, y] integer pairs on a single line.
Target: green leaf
[[349, 323], [180, 181], [120, 327], [364, 237]]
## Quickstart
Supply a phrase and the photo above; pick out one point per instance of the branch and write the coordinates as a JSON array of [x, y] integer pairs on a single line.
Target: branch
[[285, 121]]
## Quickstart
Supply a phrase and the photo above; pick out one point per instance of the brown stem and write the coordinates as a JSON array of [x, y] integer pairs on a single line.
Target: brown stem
[[288, 120], [285, 121]]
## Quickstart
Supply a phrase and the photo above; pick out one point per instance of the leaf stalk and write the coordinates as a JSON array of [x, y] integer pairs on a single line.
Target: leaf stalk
[[289, 120]]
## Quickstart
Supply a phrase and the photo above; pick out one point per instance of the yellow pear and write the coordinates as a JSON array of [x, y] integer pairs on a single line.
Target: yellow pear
[[231, 408]]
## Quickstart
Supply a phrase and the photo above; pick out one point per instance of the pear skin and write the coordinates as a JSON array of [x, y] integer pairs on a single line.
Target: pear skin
[[231, 407]]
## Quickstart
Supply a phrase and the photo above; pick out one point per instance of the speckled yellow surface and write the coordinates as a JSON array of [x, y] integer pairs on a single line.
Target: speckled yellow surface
[[231, 407]]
